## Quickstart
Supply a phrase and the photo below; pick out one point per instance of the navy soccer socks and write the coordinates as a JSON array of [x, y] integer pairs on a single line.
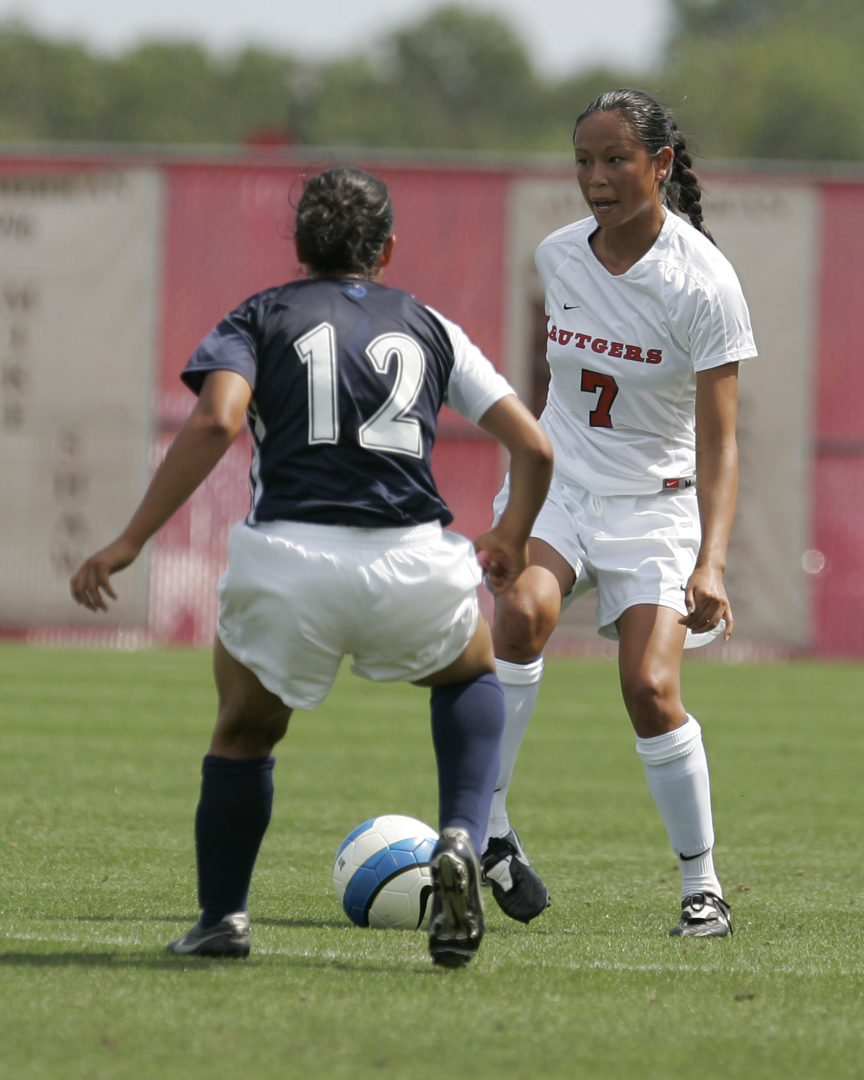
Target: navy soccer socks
[[467, 722], [232, 817]]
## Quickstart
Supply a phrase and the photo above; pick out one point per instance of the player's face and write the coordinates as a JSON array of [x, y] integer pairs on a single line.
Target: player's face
[[618, 175]]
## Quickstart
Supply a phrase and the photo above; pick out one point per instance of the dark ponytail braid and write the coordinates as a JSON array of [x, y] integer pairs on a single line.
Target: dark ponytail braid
[[656, 127], [681, 189]]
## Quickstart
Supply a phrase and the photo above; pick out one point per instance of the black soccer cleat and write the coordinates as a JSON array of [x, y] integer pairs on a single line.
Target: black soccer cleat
[[518, 890], [703, 915], [456, 925], [229, 938]]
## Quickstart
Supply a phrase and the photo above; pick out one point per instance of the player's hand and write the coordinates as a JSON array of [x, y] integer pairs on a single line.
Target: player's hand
[[707, 602], [501, 559], [91, 579]]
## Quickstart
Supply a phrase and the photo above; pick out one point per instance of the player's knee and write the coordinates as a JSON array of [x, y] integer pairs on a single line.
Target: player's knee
[[272, 729], [239, 732], [653, 702], [523, 623]]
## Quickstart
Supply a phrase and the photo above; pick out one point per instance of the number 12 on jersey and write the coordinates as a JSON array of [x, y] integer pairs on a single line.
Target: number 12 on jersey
[[389, 430], [592, 381]]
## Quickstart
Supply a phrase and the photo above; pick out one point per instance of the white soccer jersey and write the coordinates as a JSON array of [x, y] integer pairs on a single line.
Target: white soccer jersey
[[474, 385], [624, 351]]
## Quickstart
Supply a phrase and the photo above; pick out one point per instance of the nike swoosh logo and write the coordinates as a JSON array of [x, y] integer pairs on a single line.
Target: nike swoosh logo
[[569, 307], [425, 895], [690, 858]]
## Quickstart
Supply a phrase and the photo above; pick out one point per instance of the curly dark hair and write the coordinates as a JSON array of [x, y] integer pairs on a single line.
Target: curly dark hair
[[344, 218], [656, 127]]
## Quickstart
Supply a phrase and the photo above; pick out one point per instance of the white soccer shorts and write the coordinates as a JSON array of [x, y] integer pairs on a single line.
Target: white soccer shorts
[[634, 549], [299, 596]]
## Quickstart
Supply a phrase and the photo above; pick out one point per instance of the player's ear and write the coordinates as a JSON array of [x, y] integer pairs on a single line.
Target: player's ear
[[663, 163], [300, 257], [387, 250]]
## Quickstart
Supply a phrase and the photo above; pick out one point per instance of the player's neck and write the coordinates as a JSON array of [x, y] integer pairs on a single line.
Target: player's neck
[[619, 248], [376, 275]]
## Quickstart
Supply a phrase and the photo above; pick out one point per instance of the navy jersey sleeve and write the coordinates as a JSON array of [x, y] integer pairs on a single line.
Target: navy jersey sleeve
[[230, 346]]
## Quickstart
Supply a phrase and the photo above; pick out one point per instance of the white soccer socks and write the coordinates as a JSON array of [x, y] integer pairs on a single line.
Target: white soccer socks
[[675, 766], [521, 683], [677, 773]]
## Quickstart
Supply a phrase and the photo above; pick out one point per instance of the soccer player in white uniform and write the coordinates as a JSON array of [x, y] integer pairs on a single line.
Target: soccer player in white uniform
[[343, 551], [646, 328]]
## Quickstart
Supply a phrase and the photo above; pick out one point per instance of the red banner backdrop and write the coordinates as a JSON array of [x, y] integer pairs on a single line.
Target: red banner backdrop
[[838, 498], [226, 233]]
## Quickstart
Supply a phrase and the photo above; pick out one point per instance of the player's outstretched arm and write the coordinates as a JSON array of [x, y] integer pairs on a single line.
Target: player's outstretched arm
[[717, 491], [503, 550], [213, 425]]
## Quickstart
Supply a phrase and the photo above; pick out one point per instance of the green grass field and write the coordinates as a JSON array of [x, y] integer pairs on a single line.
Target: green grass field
[[100, 763]]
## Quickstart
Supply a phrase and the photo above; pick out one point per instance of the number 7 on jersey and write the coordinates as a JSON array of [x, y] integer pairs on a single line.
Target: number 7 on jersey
[[592, 381]]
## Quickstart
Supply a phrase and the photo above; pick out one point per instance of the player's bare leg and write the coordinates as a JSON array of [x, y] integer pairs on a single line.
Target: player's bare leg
[[250, 720], [475, 660], [234, 809], [669, 742], [649, 664]]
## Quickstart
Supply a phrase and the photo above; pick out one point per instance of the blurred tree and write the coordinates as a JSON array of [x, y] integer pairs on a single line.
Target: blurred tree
[[722, 16], [178, 93], [734, 16], [157, 93], [769, 78], [458, 79], [164, 93], [48, 90], [258, 93], [466, 68], [749, 78]]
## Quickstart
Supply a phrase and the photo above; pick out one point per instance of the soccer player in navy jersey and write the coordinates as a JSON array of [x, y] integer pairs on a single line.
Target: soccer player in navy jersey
[[343, 551]]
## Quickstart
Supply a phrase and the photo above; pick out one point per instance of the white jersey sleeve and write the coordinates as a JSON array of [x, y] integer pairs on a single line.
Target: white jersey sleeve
[[474, 384], [719, 332]]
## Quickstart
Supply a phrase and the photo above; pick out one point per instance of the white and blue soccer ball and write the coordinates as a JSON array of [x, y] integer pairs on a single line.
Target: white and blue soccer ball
[[381, 873]]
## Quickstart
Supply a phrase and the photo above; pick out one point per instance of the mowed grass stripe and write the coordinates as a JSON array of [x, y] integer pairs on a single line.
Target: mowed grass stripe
[[98, 781]]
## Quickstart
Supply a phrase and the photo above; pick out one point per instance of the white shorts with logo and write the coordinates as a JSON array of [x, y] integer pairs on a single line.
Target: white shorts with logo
[[634, 549], [299, 596]]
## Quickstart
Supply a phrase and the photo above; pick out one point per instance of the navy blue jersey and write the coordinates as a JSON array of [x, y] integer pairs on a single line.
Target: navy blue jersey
[[347, 377]]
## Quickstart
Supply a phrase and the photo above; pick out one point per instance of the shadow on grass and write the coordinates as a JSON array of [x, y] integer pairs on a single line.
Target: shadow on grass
[[307, 924], [302, 924], [512, 926], [119, 961], [130, 918]]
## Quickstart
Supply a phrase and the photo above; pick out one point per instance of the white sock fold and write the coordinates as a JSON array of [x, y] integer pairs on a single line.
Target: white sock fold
[[521, 683], [677, 772]]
